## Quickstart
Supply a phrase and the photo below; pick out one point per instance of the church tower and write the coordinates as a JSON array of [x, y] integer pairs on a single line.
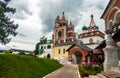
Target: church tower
[[70, 32], [63, 32], [91, 35]]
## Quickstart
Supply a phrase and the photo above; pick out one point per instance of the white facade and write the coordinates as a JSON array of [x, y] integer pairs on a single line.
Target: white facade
[[47, 50], [96, 40]]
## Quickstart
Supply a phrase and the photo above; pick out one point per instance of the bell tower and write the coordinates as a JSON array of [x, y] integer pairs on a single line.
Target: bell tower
[[59, 35], [70, 32]]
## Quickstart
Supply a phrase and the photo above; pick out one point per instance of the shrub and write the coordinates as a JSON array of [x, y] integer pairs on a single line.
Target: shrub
[[21, 53], [7, 52], [87, 70]]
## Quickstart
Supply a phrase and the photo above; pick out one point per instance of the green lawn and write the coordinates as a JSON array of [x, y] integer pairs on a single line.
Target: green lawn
[[21, 66]]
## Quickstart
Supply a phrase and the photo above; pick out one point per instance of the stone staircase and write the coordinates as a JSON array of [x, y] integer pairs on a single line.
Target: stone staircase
[[114, 72]]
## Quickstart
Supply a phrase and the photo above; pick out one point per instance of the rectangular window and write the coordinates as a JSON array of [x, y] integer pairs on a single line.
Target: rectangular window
[[58, 51], [44, 47], [41, 46], [63, 51]]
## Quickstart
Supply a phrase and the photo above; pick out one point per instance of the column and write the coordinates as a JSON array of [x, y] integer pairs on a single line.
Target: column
[[110, 52]]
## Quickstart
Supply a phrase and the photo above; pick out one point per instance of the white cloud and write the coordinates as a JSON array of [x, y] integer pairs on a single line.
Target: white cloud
[[36, 18]]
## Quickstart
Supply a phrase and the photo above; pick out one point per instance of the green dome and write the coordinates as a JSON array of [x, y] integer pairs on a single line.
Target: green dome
[[84, 28]]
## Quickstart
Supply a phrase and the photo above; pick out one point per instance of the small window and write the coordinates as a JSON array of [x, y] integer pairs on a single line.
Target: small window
[[58, 51], [91, 40], [49, 46], [63, 51], [41, 46], [44, 47]]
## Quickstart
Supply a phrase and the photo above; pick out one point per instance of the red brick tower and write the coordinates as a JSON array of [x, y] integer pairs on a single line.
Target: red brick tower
[[70, 33], [62, 31]]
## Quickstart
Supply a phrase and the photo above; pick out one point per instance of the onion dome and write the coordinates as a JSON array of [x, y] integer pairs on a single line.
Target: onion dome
[[84, 28]]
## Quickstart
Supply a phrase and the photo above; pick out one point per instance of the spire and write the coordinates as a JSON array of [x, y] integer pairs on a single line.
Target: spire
[[63, 17], [57, 18], [92, 25], [70, 24], [92, 22]]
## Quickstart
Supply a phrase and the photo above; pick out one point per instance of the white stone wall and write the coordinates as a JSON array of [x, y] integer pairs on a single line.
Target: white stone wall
[[96, 39], [62, 60], [46, 50], [92, 46]]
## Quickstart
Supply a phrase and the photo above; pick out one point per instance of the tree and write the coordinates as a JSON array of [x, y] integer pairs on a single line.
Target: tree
[[43, 40], [37, 48], [7, 26]]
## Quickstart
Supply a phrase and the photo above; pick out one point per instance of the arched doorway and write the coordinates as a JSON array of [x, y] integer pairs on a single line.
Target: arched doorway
[[77, 58], [48, 55], [78, 53]]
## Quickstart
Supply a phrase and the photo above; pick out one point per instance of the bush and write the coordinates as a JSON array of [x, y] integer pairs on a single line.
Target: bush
[[21, 53], [7, 52], [87, 70]]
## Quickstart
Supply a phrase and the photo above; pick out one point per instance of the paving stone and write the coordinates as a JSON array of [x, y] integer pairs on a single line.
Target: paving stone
[[91, 76], [68, 71], [101, 75]]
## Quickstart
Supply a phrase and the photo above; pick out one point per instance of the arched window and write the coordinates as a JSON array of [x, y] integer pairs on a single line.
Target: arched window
[[91, 40], [59, 35], [49, 46]]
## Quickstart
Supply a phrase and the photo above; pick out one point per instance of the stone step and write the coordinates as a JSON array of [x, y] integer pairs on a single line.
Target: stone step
[[92, 76], [111, 74], [99, 75]]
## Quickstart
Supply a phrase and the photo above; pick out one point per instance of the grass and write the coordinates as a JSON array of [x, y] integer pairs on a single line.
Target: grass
[[21, 66]]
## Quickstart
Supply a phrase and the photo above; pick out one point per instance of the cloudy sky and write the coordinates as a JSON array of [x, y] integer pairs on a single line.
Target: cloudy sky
[[36, 18]]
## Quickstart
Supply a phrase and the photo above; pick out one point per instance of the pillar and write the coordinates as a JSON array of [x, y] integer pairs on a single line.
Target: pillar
[[83, 60], [110, 52]]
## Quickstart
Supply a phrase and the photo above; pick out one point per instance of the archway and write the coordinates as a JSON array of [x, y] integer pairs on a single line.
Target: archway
[[77, 58], [78, 53], [48, 55]]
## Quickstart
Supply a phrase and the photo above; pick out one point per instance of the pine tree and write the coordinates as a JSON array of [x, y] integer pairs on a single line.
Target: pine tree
[[7, 26]]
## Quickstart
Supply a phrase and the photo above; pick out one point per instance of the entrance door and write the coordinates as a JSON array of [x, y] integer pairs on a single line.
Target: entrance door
[[77, 58], [48, 55]]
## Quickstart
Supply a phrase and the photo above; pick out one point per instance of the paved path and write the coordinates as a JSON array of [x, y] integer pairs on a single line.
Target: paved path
[[68, 71]]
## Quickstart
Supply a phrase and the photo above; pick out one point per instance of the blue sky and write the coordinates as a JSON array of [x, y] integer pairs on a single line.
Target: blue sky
[[36, 18]]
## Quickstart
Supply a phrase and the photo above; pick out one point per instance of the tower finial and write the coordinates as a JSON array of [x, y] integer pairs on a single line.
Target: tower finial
[[92, 22], [92, 16], [63, 17], [63, 13]]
